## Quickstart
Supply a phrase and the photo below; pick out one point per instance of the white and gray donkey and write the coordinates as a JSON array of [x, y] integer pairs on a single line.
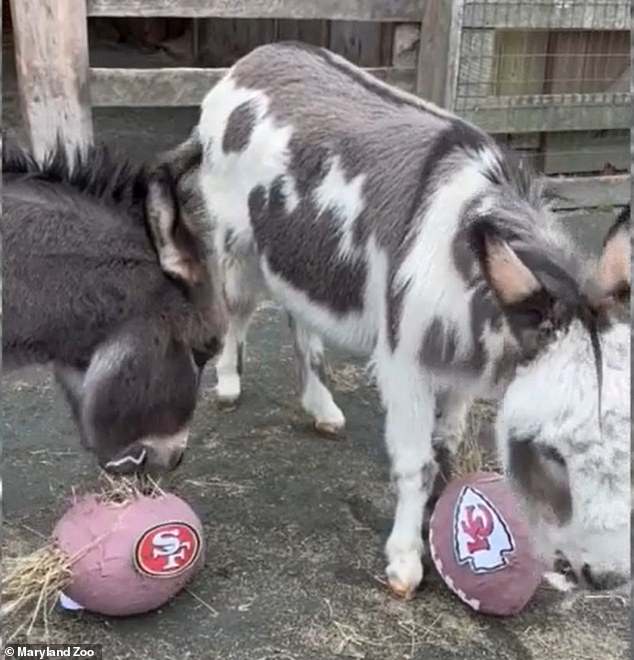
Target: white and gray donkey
[[574, 470], [391, 227]]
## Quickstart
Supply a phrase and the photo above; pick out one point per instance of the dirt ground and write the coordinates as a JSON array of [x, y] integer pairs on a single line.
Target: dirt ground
[[294, 523], [295, 526]]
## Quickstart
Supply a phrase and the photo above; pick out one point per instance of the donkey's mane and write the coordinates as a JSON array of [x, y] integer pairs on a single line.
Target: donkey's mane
[[512, 170], [97, 171]]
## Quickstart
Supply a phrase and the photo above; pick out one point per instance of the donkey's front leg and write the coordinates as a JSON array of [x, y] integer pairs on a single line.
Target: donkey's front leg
[[316, 398], [409, 402]]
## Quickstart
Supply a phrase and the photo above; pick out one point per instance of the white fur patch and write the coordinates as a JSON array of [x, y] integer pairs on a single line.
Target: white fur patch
[[344, 196], [436, 288], [227, 179], [554, 400]]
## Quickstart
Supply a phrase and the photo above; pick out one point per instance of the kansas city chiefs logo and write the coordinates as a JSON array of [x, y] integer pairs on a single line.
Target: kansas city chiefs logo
[[167, 550], [482, 539]]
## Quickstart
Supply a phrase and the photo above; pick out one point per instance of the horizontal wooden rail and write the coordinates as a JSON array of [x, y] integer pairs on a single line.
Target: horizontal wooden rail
[[350, 10], [557, 112], [591, 191], [151, 87], [545, 15], [185, 86]]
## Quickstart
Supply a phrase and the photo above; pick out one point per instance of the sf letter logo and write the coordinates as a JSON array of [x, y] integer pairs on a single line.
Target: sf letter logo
[[167, 549]]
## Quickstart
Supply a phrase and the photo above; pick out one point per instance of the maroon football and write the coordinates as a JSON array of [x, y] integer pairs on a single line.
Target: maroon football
[[131, 557], [480, 543]]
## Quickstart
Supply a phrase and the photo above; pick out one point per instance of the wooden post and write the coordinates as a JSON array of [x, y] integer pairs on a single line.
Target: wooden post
[[51, 44], [438, 51]]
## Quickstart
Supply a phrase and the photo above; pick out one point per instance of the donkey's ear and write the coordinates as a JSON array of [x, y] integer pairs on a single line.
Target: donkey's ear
[[176, 250], [615, 278], [509, 277]]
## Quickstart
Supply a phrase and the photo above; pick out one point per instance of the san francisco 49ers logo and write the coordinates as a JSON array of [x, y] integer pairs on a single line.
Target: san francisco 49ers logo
[[167, 549], [482, 538]]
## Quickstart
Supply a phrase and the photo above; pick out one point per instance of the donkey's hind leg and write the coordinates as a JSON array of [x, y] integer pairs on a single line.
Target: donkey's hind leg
[[452, 407], [242, 287], [316, 398], [451, 417]]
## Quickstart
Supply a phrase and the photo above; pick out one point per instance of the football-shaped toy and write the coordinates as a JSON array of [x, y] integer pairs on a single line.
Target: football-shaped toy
[[480, 543], [132, 557], [110, 554]]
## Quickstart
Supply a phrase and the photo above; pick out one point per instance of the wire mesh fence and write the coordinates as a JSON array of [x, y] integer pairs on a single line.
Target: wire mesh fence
[[551, 77]]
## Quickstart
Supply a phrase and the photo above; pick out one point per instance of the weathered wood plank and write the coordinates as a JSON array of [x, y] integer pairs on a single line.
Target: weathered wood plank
[[152, 87], [352, 10], [222, 41], [405, 45], [521, 63], [588, 227], [591, 191], [559, 112], [477, 65], [573, 152], [433, 78], [358, 42], [185, 86], [310, 32], [51, 46], [572, 14], [589, 62]]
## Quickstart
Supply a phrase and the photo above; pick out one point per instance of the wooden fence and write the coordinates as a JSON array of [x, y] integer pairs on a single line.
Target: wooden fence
[[439, 49]]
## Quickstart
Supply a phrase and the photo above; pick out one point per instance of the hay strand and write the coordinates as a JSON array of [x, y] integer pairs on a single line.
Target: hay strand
[[122, 489], [471, 456], [33, 583]]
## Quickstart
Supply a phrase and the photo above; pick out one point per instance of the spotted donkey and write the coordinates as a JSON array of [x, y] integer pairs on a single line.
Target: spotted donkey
[[576, 475], [393, 228]]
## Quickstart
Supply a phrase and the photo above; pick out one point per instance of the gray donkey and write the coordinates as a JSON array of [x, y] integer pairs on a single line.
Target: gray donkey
[[85, 292], [391, 227]]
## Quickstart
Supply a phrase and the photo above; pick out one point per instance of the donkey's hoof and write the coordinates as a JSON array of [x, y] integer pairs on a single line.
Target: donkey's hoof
[[404, 573], [227, 400], [228, 391], [329, 429], [400, 590], [226, 403]]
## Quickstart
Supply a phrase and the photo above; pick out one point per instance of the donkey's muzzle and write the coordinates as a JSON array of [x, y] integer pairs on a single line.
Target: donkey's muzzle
[[153, 455]]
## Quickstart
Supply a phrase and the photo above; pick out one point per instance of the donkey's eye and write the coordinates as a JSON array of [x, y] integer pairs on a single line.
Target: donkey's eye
[[546, 329], [623, 294], [531, 317]]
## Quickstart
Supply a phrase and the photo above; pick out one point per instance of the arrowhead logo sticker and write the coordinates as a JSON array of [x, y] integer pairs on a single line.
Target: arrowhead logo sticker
[[482, 538]]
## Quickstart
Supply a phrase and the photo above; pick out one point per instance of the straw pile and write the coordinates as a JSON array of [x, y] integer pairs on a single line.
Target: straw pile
[[31, 584]]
